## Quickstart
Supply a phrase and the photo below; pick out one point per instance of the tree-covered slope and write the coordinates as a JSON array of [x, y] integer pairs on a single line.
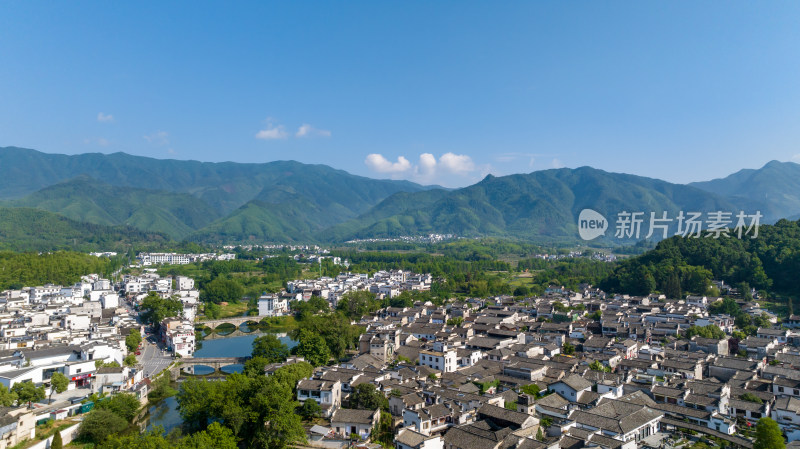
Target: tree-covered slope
[[18, 270], [538, 205], [773, 188], [770, 261], [225, 186], [24, 229], [88, 200]]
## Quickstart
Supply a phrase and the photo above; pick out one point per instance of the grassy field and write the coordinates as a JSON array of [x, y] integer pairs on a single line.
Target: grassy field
[[228, 310]]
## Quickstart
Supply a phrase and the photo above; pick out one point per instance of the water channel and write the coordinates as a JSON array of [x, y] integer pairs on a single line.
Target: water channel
[[165, 412]]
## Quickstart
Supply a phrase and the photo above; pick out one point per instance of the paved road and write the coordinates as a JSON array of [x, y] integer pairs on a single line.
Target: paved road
[[153, 359]]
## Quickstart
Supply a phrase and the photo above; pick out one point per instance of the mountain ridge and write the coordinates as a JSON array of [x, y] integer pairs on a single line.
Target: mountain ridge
[[287, 201]]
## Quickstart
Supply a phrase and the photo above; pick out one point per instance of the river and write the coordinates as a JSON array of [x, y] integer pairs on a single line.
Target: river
[[165, 412]]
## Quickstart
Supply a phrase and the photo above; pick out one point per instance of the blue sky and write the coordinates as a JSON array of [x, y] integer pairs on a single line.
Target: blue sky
[[436, 92]]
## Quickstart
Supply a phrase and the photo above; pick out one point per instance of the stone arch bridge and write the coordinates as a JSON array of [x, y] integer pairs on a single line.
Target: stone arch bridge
[[236, 321], [213, 362]]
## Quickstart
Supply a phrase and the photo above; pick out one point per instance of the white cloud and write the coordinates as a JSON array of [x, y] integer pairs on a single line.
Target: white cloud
[[427, 165], [306, 130], [556, 163], [272, 132], [157, 138], [796, 158], [376, 162], [104, 117], [449, 169], [456, 163]]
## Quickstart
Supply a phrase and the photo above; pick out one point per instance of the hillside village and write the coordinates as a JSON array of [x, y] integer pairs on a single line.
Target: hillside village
[[567, 369]]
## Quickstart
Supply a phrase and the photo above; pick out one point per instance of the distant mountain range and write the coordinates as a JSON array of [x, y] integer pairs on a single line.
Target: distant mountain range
[[287, 201]]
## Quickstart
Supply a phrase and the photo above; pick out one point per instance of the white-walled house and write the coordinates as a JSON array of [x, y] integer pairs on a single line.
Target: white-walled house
[[328, 394], [346, 422], [409, 439], [272, 305], [571, 387]]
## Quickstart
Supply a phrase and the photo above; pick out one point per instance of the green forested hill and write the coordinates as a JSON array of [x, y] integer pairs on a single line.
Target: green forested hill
[[286, 201], [771, 262], [539, 205], [185, 196], [225, 186], [88, 200], [24, 229], [774, 189]]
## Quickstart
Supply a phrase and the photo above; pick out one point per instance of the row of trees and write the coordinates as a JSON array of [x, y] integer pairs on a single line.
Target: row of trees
[[61, 267]]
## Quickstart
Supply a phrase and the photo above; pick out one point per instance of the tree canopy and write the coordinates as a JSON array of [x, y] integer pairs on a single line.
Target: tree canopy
[[155, 308], [768, 435], [270, 348]]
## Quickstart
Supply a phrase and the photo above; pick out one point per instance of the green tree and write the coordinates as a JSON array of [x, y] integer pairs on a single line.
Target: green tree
[[57, 442], [133, 339], [312, 347], [161, 388], [27, 392], [358, 303], [745, 291], [455, 321], [709, 331], [334, 328], [7, 397], [197, 399], [215, 436], [568, 348], [124, 405], [367, 397], [153, 439], [129, 360], [255, 366], [598, 366], [58, 384], [291, 374], [384, 431], [768, 435], [101, 364], [306, 309], [531, 389], [212, 310], [155, 308], [99, 424], [222, 290], [673, 287], [271, 348], [750, 397], [310, 410]]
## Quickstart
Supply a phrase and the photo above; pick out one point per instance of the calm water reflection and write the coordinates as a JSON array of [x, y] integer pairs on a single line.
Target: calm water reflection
[[165, 412]]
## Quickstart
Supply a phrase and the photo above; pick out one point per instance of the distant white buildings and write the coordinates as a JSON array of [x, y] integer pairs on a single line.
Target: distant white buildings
[[147, 259], [384, 284]]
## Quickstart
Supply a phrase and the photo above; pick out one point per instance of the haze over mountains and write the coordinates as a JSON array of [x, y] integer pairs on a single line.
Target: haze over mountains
[[287, 201]]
